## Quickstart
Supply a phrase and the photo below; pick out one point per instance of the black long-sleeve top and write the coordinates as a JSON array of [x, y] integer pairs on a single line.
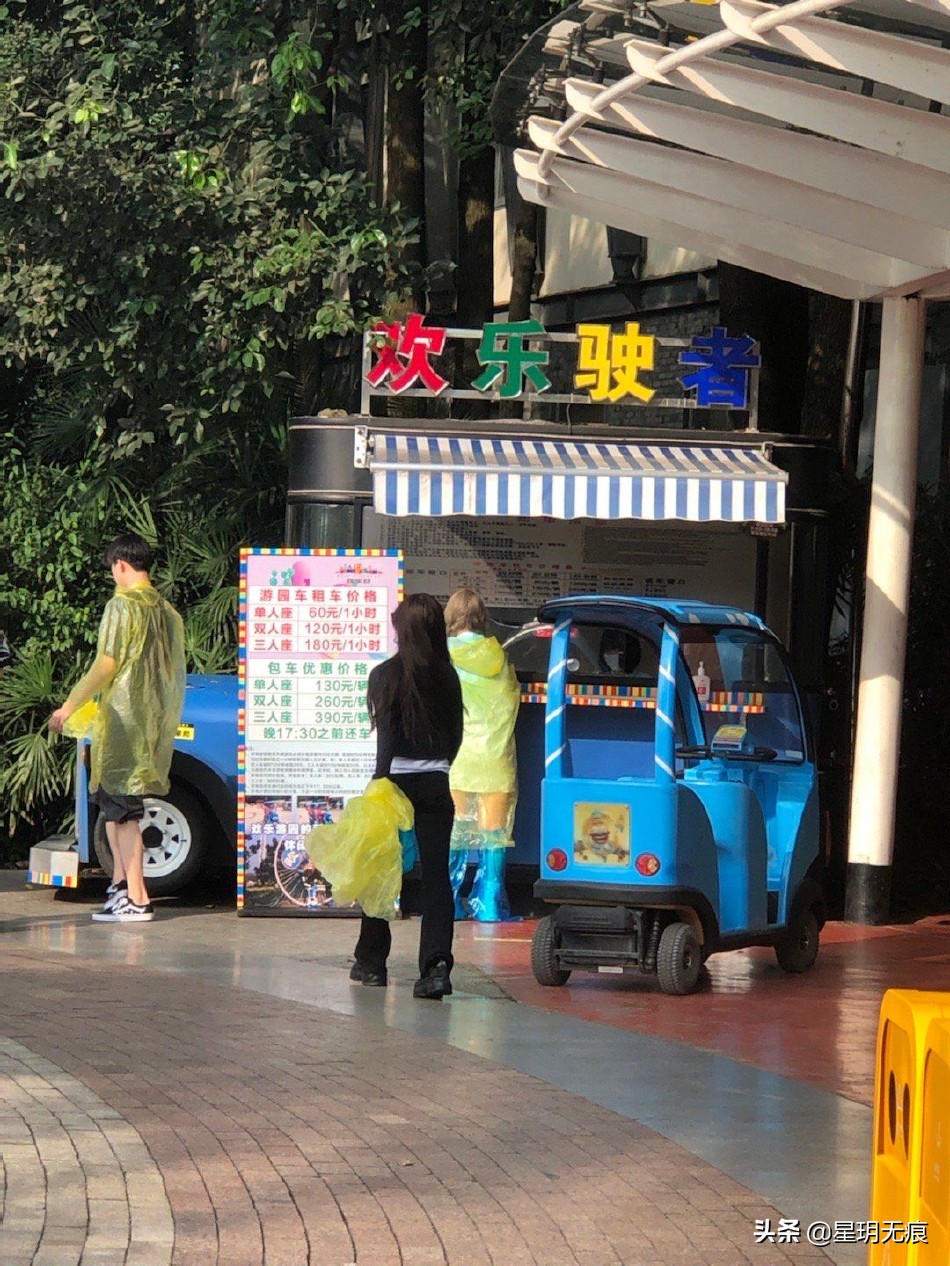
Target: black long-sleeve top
[[392, 739]]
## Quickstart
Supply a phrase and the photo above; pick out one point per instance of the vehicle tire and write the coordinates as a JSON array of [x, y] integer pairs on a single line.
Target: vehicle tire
[[543, 960], [679, 959], [797, 950], [176, 832]]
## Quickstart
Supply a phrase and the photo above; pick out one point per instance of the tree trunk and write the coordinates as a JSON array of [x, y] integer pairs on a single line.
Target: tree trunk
[[776, 314], [476, 256], [524, 257], [829, 335], [405, 133], [475, 276]]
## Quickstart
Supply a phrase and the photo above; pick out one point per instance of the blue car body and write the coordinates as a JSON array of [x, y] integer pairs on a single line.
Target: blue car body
[[655, 815], [729, 829], [204, 767], [206, 758]]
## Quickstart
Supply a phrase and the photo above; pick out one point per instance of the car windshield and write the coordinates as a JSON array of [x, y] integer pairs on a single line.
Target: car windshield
[[741, 680], [596, 655]]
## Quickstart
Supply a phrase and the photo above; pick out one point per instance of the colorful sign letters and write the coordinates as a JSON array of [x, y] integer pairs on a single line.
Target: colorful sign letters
[[612, 365]]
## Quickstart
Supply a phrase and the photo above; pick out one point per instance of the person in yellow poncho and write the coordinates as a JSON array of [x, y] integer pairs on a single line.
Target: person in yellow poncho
[[483, 777], [139, 676]]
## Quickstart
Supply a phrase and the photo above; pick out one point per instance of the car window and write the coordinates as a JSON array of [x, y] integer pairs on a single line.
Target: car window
[[596, 654], [748, 685]]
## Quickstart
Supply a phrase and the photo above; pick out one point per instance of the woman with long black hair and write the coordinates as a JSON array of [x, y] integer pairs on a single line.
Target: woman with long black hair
[[415, 705]]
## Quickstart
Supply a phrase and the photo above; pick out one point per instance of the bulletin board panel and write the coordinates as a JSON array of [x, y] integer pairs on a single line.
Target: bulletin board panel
[[313, 623]]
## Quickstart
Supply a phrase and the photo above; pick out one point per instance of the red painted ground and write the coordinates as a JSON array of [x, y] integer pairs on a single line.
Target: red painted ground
[[818, 1028]]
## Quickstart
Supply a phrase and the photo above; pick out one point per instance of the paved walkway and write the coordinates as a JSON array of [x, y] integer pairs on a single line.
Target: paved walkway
[[819, 1028], [212, 1090]]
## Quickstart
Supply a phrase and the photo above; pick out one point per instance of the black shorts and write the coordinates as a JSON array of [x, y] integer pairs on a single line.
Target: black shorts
[[120, 808]]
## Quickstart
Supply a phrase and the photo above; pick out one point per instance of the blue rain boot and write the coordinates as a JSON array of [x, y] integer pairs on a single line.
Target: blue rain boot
[[458, 862], [488, 900]]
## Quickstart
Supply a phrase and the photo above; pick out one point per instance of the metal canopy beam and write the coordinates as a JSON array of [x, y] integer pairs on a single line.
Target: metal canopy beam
[[794, 205], [910, 65], [631, 215], [906, 189], [875, 125], [938, 6], [686, 214]]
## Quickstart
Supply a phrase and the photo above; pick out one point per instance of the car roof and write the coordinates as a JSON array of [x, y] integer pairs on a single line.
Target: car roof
[[607, 608]]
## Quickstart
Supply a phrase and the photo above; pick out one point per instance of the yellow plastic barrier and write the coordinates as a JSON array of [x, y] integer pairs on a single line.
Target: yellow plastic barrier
[[900, 1093], [934, 1190]]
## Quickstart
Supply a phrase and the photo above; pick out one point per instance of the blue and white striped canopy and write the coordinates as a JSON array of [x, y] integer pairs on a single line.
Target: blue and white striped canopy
[[563, 479]]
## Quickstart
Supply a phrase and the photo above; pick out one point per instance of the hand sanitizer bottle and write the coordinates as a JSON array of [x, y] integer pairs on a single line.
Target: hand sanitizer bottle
[[701, 682]]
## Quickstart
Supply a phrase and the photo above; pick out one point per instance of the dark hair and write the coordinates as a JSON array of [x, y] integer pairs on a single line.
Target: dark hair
[[130, 549], [420, 629]]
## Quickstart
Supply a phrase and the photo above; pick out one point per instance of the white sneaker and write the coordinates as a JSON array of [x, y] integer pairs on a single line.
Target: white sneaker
[[125, 911]]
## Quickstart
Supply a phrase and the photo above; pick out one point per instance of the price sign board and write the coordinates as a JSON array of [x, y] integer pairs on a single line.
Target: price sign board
[[312, 625]]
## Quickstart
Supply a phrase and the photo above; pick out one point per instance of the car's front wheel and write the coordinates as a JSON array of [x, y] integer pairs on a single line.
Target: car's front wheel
[[176, 833]]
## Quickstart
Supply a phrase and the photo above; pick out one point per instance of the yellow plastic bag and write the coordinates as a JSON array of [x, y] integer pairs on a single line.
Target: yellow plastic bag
[[82, 723], [361, 856]]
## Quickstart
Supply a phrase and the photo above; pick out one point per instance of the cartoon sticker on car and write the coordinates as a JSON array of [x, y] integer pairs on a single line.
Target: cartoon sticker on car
[[602, 833]]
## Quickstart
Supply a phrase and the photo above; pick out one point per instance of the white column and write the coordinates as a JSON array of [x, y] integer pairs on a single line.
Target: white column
[[887, 588]]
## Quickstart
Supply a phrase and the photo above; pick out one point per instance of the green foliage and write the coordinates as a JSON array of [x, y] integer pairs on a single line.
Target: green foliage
[[53, 585], [181, 223], [49, 585], [179, 219], [479, 42]]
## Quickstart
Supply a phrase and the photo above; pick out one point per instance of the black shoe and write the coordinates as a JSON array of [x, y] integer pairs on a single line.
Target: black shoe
[[435, 983], [368, 977]]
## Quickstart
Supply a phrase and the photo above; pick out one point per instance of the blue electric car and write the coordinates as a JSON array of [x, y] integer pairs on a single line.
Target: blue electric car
[[679, 805], [194, 828], [673, 816]]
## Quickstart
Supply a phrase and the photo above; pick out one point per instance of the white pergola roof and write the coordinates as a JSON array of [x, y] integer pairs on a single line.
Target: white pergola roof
[[778, 163]]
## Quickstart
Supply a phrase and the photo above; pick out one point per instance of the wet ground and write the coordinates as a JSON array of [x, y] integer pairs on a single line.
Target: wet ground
[[213, 1088]]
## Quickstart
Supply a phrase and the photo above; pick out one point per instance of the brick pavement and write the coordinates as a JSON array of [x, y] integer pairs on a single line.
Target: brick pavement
[[819, 1028], [154, 1119]]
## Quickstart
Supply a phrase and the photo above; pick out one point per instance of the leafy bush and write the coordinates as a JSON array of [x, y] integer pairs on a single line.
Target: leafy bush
[[183, 223], [53, 587]]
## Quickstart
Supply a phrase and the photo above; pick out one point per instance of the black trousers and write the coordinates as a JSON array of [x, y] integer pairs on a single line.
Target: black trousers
[[432, 802]]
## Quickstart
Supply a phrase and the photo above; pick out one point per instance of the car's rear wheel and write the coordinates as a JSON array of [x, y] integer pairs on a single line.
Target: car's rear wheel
[[679, 959], [544, 962], [176, 833], [798, 949]]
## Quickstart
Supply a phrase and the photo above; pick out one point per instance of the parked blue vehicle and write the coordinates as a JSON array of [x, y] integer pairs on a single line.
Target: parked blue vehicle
[[679, 809], [194, 828], [719, 853]]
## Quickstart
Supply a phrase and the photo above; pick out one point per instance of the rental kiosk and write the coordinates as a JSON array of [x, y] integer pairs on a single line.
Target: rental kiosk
[[524, 511]]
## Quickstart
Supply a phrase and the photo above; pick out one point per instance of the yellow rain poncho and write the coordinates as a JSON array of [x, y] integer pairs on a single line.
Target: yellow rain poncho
[[484, 775], [491, 696], [139, 710], [361, 856]]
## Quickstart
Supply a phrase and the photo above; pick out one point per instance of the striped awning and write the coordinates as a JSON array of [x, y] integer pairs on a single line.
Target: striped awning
[[561, 479]]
